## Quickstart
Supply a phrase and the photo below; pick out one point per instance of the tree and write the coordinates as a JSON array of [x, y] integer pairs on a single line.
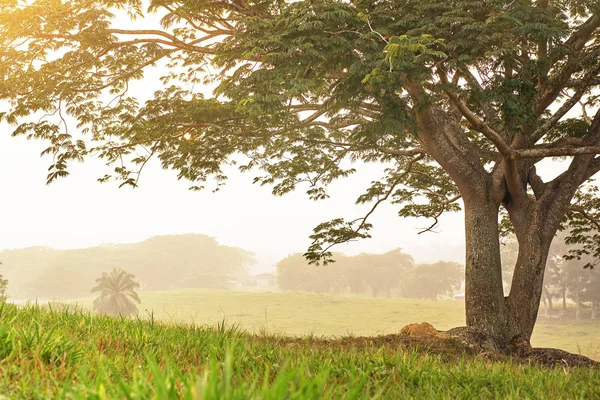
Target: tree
[[380, 272], [294, 274], [591, 292], [428, 281], [460, 100], [117, 294], [3, 288], [582, 286]]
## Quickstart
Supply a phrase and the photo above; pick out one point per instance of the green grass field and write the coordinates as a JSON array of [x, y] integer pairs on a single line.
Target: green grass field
[[65, 355], [302, 314]]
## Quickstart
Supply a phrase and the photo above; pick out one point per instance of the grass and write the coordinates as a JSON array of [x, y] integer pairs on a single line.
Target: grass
[[57, 355], [301, 314]]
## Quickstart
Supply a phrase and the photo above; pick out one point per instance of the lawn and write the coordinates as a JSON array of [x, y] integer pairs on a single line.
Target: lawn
[[65, 355], [302, 314]]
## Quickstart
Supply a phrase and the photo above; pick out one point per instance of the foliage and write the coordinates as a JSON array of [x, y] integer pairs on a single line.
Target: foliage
[[80, 356], [584, 226], [117, 294], [428, 281]]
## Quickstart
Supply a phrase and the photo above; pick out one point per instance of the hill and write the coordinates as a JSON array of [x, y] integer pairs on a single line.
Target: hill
[[161, 262]]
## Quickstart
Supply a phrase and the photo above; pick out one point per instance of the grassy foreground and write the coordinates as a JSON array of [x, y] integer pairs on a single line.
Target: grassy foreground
[[50, 354], [302, 314]]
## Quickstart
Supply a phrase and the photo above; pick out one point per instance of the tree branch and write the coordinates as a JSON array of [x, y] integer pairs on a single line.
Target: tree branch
[[585, 214], [575, 44], [209, 34], [357, 147], [475, 121], [555, 152], [575, 83], [566, 107], [593, 168], [535, 181], [388, 193], [472, 81], [439, 214]]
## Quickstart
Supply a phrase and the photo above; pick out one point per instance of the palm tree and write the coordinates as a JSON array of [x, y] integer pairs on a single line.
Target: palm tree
[[117, 294]]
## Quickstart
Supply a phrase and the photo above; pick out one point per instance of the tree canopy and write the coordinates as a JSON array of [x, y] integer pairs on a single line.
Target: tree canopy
[[460, 100]]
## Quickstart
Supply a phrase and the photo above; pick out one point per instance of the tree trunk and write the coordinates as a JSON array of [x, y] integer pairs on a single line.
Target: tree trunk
[[528, 280], [484, 296], [578, 309], [549, 298], [564, 297], [546, 306]]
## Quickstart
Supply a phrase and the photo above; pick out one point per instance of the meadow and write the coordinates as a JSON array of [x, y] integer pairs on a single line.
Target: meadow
[[302, 314], [49, 354]]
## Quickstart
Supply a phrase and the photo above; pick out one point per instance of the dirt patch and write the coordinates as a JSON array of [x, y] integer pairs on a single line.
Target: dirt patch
[[422, 329]]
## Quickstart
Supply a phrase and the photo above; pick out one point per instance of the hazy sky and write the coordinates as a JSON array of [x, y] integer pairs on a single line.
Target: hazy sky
[[80, 212]]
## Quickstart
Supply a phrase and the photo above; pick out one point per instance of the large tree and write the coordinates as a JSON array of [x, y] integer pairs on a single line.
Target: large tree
[[459, 99]]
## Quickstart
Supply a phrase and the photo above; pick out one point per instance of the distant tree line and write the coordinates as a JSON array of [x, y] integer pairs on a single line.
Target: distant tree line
[[389, 274], [160, 263], [567, 280]]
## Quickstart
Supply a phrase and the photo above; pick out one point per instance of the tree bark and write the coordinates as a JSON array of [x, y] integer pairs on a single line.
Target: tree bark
[[484, 296], [528, 280]]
